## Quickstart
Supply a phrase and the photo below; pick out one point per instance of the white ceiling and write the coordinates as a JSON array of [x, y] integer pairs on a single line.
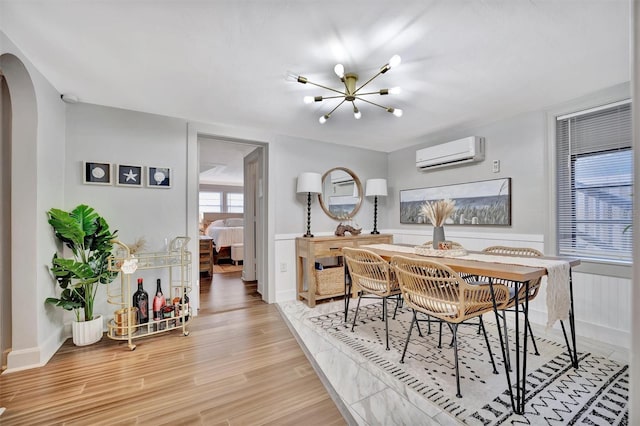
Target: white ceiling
[[222, 163], [463, 62]]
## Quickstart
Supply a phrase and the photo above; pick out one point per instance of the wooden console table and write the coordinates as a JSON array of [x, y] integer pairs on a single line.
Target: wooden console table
[[309, 250]]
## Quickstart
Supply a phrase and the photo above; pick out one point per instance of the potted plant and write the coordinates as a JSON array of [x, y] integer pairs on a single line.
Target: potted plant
[[86, 234]]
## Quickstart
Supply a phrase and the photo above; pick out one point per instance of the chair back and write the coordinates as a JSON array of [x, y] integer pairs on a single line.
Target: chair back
[[437, 290], [534, 285], [514, 251], [370, 272]]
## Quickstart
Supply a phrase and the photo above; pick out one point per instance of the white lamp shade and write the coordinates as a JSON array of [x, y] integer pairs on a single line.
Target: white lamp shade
[[310, 182], [376, 187]]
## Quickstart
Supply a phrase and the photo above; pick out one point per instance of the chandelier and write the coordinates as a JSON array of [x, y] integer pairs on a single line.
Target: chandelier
[[351, 91]]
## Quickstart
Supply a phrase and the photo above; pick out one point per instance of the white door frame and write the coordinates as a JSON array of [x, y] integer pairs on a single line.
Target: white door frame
[[194, 130]]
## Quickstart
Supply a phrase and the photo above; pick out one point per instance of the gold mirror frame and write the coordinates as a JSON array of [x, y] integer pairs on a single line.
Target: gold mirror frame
[[326, 183]]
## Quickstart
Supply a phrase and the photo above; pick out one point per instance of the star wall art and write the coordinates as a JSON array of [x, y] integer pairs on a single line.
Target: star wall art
[[129, 175]]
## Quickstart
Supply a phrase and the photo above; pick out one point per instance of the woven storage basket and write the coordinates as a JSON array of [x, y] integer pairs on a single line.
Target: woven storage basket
[[330, 280]]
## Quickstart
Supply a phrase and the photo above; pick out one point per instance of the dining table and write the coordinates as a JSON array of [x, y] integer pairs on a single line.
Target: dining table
[[489, 267]]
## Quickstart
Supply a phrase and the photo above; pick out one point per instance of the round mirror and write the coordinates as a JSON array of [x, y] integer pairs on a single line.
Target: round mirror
[[341, 193]]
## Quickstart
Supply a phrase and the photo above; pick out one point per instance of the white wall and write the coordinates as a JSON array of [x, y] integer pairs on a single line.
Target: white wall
[[519, 145], [117, 136], [293, 156]]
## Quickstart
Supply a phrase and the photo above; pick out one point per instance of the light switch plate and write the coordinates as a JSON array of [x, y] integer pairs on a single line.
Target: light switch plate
[[496, 166]]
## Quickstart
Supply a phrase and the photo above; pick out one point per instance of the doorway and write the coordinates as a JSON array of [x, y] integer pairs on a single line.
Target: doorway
[[229, 187]]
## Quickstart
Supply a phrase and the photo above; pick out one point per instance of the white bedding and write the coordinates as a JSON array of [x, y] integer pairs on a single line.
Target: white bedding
[[225, 236]]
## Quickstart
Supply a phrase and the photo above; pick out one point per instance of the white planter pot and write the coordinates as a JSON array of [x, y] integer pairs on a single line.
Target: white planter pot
[[87, 332]]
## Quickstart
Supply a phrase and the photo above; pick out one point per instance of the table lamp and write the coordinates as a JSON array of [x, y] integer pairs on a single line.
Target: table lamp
[[309, 183], [376, 188]]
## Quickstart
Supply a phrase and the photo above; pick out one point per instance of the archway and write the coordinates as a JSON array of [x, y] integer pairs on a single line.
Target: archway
[[19, 140]]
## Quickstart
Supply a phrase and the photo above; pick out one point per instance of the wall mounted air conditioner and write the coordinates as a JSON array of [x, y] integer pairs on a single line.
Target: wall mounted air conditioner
[[340, 177], [466, 150]]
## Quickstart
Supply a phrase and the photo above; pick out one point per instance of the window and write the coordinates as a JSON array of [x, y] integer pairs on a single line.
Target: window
[[235, 202], [595, 184], [210, 202]]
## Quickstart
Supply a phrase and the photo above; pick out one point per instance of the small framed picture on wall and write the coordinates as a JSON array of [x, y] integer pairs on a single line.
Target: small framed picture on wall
[[129, 175], [96, 173], [158, 177]]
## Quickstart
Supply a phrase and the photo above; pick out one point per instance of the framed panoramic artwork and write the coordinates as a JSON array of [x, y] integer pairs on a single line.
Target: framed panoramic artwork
[[158, 177], [479, 203], [96, 173], [129, 176]]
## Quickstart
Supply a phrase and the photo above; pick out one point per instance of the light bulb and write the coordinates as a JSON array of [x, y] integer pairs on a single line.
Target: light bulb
[[395, 91], [291, 76], [356, 113], [339, 70], [395, 61], [323, 119], [308, 99], [397, 112]]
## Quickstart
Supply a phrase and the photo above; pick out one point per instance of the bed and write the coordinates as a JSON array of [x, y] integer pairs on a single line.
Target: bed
[[225, 230]]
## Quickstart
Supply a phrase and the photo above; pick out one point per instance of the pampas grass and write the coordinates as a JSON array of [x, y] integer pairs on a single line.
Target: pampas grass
[[438, 211], [138, 246]]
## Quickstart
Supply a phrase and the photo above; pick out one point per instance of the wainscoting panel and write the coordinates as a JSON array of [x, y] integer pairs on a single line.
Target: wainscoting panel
[[285, 267]]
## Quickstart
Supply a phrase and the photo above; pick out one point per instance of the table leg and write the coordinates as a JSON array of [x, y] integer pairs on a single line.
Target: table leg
[[571, 347], [347, 291], [311, 282], [299, 276], [502, 345], [517, 400]]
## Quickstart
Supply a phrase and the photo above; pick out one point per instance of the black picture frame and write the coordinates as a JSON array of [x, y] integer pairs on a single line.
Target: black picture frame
[[128, 175], [96, 173], [158, 177], [480, 203]]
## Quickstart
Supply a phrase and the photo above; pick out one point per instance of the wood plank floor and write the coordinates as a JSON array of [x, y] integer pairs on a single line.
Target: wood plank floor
[[240, 365]]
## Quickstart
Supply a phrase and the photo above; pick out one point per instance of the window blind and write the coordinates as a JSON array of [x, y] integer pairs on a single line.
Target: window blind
[[595, 183]]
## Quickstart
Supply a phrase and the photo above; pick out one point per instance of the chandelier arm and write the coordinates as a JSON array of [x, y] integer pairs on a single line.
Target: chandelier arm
[[337, 106], [367, 82], [333, 97], [372, 103], [377, 92], [326, 88]]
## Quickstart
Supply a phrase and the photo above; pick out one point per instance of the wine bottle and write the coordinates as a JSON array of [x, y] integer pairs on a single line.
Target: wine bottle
[[141, 301], [158, 302], [176, 302], [185, 306]]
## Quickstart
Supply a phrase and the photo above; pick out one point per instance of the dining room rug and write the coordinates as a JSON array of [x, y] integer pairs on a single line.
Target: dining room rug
[[226, 268], [596, 393]]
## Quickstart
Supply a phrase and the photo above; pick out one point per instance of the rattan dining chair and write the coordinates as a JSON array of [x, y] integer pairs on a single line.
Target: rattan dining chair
[[438, 291], [534, 287], [373, 276]]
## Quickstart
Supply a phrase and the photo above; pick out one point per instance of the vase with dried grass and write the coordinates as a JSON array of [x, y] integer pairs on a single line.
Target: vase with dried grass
[[438, 212]]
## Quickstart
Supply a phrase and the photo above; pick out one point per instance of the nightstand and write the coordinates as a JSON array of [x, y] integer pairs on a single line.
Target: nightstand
[[206, 255]]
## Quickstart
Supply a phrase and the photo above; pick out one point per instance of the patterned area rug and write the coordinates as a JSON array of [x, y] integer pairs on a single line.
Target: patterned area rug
[[226, 268], [557, 394]]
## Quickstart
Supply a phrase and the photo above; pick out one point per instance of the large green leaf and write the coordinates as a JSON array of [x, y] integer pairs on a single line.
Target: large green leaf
[[71, 268], [67, 229]]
